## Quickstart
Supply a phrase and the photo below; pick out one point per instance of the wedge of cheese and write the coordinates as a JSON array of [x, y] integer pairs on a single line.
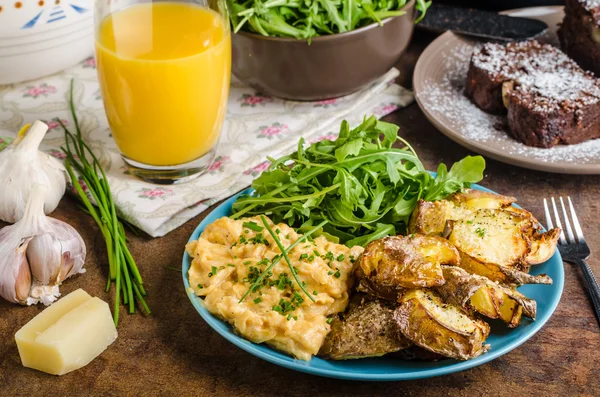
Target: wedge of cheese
[[67, 335]]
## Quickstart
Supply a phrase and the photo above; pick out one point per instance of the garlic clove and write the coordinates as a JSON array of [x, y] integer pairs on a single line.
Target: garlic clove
[[71, 244], [44, 254], [67, 265], [37, 254], [22, 278]]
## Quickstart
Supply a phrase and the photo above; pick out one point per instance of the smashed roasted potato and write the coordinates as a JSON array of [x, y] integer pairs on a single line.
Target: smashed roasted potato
[[495, 239], [392, 264], [440, 327], [494, 244], [366, 329], [473, 292]]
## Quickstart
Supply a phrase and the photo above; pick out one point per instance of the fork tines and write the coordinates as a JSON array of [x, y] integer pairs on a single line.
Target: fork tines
[[572, 238]]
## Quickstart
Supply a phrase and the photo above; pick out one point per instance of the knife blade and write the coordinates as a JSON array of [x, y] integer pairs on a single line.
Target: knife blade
[[482, 24]]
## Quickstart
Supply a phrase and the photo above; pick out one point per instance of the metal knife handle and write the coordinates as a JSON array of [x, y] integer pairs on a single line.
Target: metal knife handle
[[591, 285], [479, 23]]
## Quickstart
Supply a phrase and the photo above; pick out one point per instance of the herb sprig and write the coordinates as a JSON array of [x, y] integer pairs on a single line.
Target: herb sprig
[[285, 256], [304, 19], [363, 186], [122, 267], [256, 282]]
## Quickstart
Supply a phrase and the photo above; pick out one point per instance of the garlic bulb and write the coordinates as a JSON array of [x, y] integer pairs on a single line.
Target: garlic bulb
[[22, 166], [37, 254]]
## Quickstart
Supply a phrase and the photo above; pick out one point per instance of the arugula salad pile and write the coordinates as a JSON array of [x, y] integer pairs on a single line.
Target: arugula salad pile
[[303, 19], [360, 184]]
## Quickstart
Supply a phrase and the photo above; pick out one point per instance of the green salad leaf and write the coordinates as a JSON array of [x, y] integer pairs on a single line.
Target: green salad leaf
[[363, 186], [304, 19]]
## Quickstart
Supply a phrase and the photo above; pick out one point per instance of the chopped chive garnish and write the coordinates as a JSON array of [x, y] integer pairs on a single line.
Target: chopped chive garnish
[[315, 293], [311, 258], [284, 253], [264, 261], [337, 274], [316, 253], [230, 265], [247, 262], [340, 258], [253, 226], [200, 286], [259, 239], [303, 256], [283, 307], [329, 320], [257, 300]]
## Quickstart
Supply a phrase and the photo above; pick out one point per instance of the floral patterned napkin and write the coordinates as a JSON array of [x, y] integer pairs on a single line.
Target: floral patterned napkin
[[256, 126]]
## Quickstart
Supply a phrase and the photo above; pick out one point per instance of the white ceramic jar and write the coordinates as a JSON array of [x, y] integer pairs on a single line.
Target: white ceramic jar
[[41, 37]]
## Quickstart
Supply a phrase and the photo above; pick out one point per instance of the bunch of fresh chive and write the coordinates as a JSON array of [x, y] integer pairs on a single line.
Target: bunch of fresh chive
[[122, 268]]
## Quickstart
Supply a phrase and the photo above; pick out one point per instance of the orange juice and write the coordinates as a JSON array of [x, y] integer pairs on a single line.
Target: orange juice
[[164, 72]]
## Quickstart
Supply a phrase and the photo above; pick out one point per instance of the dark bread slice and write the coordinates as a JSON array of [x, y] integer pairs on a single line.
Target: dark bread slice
[[492, 65], [548, 97], [579, 33], [546, 109]]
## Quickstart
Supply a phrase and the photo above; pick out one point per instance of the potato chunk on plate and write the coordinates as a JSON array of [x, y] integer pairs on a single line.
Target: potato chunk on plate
[[440, 327], [473, 292], [366, 329], [396, 263], [495, 239]]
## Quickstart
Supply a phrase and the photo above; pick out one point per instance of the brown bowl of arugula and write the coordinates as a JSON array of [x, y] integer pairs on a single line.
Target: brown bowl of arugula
[[318, 49]]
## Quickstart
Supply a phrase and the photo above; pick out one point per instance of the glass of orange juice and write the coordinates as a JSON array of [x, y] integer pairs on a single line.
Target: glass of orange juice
[[164, 70]]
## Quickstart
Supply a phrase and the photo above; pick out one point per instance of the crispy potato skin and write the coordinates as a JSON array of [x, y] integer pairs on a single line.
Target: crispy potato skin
[[543, 246], [502, 274], [441, 328], [429, 217], [461, 286], [400, 262], [367, 329]]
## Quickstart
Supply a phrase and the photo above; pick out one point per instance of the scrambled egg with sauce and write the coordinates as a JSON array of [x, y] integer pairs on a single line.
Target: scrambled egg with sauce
[[231, 254]]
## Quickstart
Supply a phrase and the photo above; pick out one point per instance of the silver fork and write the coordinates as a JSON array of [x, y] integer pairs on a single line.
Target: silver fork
[[573, 247]]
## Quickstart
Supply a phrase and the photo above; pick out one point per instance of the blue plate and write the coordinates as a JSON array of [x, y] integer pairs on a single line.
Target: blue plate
[[501, 339]]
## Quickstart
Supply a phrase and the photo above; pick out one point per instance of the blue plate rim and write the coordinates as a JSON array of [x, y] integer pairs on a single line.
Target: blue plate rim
[[301, 366]]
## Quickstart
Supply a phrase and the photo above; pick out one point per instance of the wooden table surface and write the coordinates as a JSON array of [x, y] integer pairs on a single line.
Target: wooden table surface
[[174, 352]]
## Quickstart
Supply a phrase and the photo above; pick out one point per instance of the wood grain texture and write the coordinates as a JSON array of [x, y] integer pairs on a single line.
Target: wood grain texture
[[174, 352]]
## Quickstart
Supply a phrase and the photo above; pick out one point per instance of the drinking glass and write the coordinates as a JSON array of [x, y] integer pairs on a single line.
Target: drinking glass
[[164, 69]]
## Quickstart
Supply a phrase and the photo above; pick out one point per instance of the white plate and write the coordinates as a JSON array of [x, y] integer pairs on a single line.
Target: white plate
[[439, 82]]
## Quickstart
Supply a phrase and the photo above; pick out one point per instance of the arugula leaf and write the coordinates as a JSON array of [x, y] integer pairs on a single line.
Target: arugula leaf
[[350, 148], [381, 231], [462, 174], [305, 19], [363, 186]]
